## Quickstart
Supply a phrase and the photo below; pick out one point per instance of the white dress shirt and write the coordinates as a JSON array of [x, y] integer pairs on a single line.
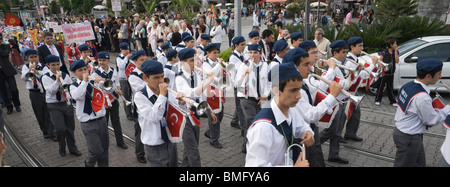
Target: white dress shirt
[[122, 62], [310, 113], [211, 66], [237, 62], [266, 146], [78, 94], [216, 31], [29, 84], [53, 86], [151, 115], [136, 83], [265, 85], [419, 114], [113, 78]]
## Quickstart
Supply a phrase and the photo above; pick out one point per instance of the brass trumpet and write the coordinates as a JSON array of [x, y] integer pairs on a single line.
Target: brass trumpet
[[385, 65], [369, 72], [355, 99], [355, 71], [201, 108]]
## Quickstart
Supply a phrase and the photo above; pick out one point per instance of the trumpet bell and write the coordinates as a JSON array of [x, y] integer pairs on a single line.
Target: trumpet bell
[[230, 67], [108, 84], [30, 76], [202, 107], [356, 99]]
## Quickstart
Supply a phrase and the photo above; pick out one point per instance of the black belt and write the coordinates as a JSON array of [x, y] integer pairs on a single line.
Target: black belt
[[92, 120]]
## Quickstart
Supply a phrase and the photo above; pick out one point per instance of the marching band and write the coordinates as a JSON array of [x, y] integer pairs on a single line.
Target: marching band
[[278, 103]]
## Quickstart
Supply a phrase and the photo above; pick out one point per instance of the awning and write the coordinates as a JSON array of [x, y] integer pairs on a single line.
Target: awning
[[272, 1]]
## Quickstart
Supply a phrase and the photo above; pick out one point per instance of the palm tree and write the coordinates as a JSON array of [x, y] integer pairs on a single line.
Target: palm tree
[[388, 11], [183, 6]]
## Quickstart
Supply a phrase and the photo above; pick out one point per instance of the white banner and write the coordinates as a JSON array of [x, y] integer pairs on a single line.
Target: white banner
[[116, 5], [78, 32]]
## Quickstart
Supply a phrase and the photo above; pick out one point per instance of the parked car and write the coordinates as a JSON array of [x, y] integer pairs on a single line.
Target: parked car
[[410, 53]]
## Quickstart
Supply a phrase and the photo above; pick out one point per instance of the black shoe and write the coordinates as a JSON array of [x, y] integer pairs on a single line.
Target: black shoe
[[62, 152], [130, 118], [10, 111], [355, 139], [18, 109], [76, 153], [216, 144], [338, 160], [207, 134], [123, 146], [141, 159], [235, 125]]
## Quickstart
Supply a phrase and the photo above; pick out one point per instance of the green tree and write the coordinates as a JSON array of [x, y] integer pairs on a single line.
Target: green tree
[[184, 6], [388, 11], [150, 6], [54, 9]]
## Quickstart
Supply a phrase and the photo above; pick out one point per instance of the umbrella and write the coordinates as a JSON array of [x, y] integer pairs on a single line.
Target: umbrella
[[229, 4], [316, 3]]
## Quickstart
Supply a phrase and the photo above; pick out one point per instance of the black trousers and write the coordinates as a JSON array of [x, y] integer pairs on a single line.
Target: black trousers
[[389, 81], [11, 80], [113, 113]]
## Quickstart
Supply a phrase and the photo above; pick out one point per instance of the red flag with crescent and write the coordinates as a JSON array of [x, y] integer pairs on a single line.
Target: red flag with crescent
[[326, 119], [131, 66], [214, 100], [97, 100], [438, 102], [175, 123], [12, 20]]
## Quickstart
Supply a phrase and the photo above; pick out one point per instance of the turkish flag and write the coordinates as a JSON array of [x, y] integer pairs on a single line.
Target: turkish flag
[[97, 100], [130, 68], [326, 119], [214, 100], [12, 20], [438, 102], [175, 123]]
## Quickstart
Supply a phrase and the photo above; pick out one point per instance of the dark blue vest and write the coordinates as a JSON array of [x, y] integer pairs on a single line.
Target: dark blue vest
[[406, 93], [284, 129]]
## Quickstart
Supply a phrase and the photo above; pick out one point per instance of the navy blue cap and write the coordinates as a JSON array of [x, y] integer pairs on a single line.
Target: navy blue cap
[[171, 53], [338, 44], [188, 38], [205, 37], [281, 72], [211, 47], [137, 54], [83, 47], [186, 53], [30, 52], [184, 34], [254, 47], [307, 44], [152, 67], [252, 34], [77, 65], [296, 35], [159, 40], [293, 55], [165, 46], [429, 65], [124, 45], [237, 40], [51, 58], [280, 45], [103, 55], [355, 40]]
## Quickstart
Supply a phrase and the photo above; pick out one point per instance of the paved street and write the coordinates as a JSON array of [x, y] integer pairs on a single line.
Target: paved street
[[377, 149]]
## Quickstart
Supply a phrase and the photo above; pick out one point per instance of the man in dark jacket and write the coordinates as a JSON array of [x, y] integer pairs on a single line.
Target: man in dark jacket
[[50, 49], [7, 73]]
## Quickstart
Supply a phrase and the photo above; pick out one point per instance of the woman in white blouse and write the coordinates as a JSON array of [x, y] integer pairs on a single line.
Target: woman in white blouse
[[216, 32]]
